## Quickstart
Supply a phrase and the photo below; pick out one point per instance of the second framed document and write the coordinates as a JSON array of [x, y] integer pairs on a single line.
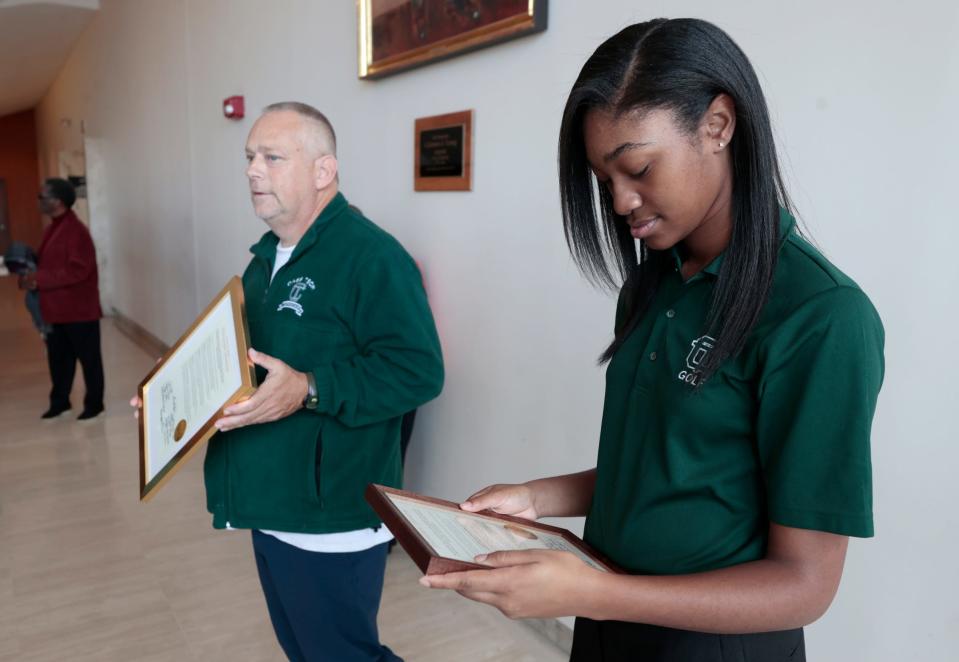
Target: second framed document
[[441, 538], [185, 393]]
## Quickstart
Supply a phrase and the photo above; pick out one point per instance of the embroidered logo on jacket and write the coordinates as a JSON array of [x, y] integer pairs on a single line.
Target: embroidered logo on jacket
[[297, 286], [695, 358]]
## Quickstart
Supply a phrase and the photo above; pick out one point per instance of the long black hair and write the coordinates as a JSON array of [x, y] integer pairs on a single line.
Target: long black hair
[[680, 65]]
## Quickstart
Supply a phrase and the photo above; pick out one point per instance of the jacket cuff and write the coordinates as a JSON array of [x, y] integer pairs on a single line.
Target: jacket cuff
[[42, 280], [324, 389]]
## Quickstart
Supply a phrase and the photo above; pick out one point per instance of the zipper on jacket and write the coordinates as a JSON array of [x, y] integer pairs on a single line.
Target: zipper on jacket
[[269, 281], [317, 465], [227, 501], [270, 276]]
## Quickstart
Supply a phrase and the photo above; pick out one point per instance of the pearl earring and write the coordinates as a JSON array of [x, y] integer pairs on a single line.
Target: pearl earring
[[721, 145]]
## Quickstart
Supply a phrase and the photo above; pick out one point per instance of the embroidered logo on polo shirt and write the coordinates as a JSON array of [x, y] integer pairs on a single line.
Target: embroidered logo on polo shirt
[[297, 286], [697, 354]]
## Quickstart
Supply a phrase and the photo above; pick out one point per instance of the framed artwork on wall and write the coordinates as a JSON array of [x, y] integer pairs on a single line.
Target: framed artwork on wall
[[395, 35]]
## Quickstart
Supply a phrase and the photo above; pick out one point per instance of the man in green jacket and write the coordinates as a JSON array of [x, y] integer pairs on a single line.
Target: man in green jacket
[[344, 344]]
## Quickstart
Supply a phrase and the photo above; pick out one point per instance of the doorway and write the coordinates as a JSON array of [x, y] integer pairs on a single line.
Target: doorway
[[4, 218]]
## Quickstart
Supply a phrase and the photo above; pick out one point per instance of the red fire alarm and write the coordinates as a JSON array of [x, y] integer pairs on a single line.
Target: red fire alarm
[[233, 108]]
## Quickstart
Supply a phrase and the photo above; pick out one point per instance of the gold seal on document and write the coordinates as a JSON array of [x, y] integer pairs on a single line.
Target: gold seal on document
[[180, 429]]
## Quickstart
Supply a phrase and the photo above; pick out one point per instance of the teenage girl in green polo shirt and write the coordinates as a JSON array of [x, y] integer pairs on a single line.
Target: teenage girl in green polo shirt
[[734, 451]]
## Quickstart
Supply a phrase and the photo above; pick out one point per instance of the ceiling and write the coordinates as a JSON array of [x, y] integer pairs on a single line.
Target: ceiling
[[35, 40]]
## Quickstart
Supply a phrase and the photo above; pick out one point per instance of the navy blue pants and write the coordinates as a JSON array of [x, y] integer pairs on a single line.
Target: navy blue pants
[[323, 606]]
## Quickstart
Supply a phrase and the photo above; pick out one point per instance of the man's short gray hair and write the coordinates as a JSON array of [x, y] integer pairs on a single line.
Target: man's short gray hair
[[309, 112]]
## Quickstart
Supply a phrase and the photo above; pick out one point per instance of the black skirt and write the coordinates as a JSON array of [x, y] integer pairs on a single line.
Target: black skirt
[[616, 641]]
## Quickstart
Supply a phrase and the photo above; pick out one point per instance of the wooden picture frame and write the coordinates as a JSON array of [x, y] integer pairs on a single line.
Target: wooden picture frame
[[443, 159], [441, 538], [205, 371], [396, 35]]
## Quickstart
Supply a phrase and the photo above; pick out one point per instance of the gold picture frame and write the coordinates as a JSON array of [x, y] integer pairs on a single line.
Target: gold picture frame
[[443, 159], [396, 35], [205, 371]]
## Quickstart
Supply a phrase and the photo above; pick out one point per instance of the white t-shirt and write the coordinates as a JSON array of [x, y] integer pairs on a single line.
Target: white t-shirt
[[283, 254], [346, 541]]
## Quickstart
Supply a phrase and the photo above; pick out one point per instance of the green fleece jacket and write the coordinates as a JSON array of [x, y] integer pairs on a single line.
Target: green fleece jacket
[[349, 307]]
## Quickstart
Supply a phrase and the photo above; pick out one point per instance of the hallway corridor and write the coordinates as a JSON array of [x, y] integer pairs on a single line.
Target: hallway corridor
[[87, 573]]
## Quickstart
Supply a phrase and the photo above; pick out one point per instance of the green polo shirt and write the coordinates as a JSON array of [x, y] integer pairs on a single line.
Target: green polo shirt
[[688, 480]]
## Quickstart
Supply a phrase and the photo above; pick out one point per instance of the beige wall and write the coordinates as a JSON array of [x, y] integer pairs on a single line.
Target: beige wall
[[862, 95], [124, 90]]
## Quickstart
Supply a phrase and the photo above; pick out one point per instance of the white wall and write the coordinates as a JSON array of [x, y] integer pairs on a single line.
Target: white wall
[[862, 94]]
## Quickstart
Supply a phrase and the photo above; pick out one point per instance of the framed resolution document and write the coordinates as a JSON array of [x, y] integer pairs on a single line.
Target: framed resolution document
[[441, 538], [206, 370]]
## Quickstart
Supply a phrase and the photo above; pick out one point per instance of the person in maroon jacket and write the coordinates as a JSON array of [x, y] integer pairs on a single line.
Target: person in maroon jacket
[[66, 278]]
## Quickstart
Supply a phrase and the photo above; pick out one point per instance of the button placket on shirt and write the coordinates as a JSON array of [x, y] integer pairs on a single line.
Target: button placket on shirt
[[650, 373], [673, 343], [670, 314]]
